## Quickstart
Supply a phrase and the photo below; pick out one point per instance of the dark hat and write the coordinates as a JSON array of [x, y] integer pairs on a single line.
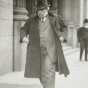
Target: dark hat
[[85, 20], [42, 4]]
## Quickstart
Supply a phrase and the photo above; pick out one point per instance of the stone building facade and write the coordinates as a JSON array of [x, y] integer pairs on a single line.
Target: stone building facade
[[14, 14], [6, 36]]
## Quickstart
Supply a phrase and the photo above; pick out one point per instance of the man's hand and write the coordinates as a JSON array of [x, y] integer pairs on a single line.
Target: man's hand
[[26, 39], [61, 39]]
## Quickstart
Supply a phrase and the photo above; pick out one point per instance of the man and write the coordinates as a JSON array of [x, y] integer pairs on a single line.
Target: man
[[83, 39], [44, 51]]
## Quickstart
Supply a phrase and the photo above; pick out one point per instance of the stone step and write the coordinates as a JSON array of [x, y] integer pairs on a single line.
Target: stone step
[[17, 80]]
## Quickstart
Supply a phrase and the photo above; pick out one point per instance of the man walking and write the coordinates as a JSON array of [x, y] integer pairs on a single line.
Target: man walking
[[44, 51], [83, 39]]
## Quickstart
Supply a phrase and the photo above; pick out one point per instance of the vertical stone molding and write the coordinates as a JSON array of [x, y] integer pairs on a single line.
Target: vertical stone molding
[[6, 36], [19, 18], [72, 35], [81, 11], [31, 6], [87, 8]]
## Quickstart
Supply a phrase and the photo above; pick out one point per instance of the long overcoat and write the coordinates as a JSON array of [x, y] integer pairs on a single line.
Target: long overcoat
[[33, 59]]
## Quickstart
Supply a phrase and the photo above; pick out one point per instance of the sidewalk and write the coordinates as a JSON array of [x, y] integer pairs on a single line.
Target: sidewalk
[[78, 77]]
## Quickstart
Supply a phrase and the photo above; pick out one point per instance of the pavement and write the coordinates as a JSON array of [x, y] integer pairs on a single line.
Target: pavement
[[78, 77]]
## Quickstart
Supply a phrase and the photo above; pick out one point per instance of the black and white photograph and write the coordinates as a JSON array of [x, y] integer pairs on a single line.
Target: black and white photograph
[[43, 43]]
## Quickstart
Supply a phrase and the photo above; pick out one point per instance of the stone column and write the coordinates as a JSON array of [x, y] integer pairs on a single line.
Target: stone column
[[81, 11], [86, 8], [20, 16]]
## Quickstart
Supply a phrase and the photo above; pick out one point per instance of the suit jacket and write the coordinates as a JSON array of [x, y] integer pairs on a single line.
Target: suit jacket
[[33, 60], [82, 34]]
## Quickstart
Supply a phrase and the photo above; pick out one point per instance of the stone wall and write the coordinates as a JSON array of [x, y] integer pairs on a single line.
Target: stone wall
[[72, 15], [6, 35], [71, 11]]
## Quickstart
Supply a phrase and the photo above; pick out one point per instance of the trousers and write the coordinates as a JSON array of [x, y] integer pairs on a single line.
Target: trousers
[[83, 47], [47, 70]]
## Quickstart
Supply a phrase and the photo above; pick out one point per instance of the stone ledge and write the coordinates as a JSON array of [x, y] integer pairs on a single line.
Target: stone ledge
[[16, 80]]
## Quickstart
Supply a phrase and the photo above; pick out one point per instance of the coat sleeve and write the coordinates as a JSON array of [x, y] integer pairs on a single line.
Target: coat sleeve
[[24, 31]]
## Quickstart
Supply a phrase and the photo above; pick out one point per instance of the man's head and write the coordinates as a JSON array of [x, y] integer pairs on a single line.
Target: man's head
[[42, 8], [85, 22]]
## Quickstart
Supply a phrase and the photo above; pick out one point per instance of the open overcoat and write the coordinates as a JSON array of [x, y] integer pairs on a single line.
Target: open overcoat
[[33, 59]]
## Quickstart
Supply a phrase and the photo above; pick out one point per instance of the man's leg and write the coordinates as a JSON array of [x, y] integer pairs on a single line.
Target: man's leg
[[48, 73], [86, 50], [81, 50]]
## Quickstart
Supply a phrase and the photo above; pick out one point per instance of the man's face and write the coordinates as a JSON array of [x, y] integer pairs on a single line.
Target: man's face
[[42, 13]]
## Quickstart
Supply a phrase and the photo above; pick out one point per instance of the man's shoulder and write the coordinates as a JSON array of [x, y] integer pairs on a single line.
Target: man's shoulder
[[83, 32], [30, 21], [81, 29]]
